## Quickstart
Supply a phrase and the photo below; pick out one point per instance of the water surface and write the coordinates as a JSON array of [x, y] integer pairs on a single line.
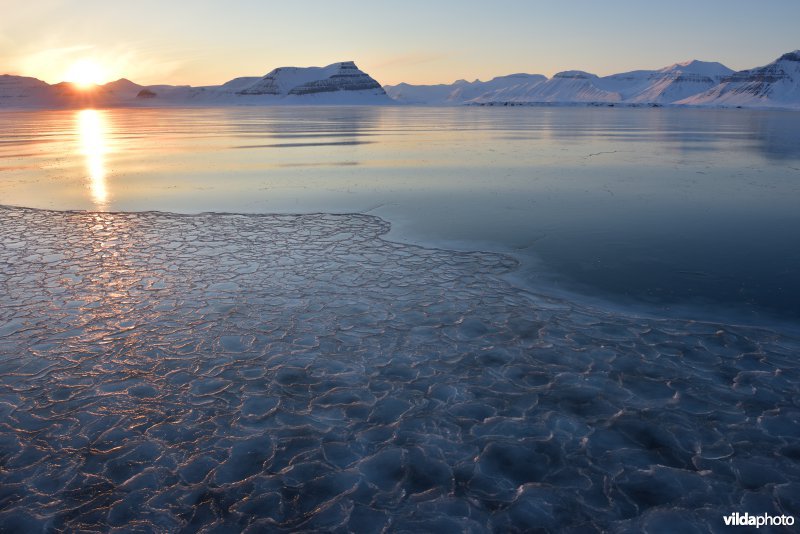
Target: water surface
[[341, 367], [686, 211]]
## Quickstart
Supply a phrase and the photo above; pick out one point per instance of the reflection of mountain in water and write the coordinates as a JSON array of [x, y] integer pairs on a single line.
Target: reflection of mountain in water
[[775, 135], [772, 134], [280, 128]]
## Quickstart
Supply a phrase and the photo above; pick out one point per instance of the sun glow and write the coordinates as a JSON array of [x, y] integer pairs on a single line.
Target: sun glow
[[92, 128], [85, 73]]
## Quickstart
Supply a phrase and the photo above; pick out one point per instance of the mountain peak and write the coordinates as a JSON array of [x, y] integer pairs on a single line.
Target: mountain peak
[[14, 78], [342, 76], [774, 85], [703, 68], [577, 74], [790, 56], [692, 63], [122, 82]]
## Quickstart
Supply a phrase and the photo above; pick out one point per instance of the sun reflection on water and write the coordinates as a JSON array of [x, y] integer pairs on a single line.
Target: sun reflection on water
[[92, 126]]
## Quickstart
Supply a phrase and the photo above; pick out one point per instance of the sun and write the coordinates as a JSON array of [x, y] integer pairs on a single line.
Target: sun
[[85, 73]]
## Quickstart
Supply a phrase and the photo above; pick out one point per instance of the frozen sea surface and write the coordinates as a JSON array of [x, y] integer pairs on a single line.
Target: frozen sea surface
[[302, 373]]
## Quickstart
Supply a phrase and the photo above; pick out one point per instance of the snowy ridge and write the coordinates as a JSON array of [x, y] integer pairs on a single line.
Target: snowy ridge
[[568, 86], [339, 83], [21, 90], [690, 83], [343, 76], [460, 91], [774, 85], [239, 84], [669, 84]]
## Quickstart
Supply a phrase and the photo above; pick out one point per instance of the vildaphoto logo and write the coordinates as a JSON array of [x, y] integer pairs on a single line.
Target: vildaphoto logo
[[746, 520]]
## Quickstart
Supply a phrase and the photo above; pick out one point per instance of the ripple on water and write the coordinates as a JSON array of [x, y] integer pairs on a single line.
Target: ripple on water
[[283, 373]]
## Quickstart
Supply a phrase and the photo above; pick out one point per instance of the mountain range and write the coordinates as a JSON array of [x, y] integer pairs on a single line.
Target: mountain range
[[691, 83], [338, 83], [663, 86]]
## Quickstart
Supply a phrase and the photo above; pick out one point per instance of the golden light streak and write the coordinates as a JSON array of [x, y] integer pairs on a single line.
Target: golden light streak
[[94, 146]]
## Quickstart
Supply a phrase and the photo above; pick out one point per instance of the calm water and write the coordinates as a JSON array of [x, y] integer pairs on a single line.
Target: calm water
[[689, 211], [300, 372]]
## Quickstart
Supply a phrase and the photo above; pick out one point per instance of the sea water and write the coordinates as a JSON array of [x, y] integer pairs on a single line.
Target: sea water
[[412, 319], [673, 208]]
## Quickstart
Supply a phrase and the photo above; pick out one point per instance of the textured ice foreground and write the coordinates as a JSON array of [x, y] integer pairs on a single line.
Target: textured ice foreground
[[229, 372]]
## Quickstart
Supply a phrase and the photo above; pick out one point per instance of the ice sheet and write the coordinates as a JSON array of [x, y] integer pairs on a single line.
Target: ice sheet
[[300, 372]]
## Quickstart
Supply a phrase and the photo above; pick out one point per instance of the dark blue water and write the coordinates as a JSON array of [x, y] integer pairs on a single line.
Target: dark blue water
[[481, 320], [673, 209]]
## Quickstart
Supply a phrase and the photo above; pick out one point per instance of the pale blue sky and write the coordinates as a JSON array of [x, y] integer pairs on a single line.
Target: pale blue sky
[[211, 41]]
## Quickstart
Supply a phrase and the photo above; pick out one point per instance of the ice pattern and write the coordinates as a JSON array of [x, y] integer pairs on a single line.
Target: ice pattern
[[223, 372]]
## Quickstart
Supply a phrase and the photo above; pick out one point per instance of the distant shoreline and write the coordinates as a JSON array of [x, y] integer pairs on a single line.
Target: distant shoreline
[[500, 104]]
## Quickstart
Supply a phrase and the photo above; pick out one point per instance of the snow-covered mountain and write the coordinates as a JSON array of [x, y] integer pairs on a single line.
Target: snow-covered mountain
[[691, 83], [21, 91], [17, 91], [458, 92], [339, 83], [663, 86], [314, 80], [774, 85], [666, 85], [568, 86], [238, 84]]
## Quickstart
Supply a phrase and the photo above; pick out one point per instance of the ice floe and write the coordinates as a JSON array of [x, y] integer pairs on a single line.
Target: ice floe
[[301, 373]]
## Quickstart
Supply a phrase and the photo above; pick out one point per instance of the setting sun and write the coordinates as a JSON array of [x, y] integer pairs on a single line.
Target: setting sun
[[85, 73]]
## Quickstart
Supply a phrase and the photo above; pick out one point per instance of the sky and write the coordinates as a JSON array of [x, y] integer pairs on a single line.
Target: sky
[[207, 42]]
